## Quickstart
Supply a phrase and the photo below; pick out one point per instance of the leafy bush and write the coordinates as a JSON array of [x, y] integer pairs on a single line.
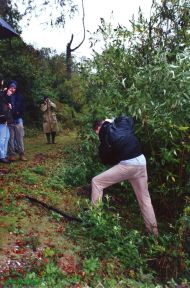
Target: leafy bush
[[83, 160], [184, 229], [108, 238]]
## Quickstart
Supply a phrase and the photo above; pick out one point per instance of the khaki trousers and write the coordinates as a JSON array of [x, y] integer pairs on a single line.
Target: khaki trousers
[[137, 176]]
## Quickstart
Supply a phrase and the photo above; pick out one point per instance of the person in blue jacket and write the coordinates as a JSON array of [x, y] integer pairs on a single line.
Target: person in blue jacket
[[120, 148]]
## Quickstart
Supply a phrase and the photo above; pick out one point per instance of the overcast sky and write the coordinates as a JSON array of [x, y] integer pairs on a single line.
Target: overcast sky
[[40, 36]]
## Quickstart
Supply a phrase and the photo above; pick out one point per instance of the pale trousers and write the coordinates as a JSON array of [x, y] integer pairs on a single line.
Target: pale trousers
[[4, 138], [137, 176]]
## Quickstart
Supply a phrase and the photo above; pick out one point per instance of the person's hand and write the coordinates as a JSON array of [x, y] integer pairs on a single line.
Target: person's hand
[[46, 101], [9, 106], [9, 92]]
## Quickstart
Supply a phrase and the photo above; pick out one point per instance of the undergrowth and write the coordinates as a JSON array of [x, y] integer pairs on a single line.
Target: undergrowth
[[108, 249]]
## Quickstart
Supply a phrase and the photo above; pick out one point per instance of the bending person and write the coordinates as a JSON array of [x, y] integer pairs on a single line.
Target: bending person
[[120, 147]]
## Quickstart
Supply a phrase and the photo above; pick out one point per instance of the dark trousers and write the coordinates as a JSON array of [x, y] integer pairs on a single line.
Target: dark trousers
[[51, 137]]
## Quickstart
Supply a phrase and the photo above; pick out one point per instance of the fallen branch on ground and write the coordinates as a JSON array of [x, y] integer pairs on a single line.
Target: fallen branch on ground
[[49, 207]]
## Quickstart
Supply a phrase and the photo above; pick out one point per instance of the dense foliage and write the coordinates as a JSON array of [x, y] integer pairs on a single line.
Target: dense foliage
[[151, 87]]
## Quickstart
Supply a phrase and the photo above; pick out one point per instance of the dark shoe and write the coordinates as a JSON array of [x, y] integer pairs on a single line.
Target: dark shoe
[[22, 157], [12, 158], [5, 161]]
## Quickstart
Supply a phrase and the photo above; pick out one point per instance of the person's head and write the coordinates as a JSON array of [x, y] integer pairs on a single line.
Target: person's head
[[12, 86], [97, 125], [46, 98]]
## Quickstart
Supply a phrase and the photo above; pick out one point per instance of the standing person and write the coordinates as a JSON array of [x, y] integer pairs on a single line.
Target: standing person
[[4, 131], [15, 123], [50, 126], [120, 147]]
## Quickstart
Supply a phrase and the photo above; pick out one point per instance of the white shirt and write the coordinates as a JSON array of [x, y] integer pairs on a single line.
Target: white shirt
[[140, 160]]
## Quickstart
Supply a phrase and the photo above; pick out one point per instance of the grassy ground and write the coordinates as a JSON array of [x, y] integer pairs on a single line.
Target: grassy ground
[[29, 233], [40, 248]]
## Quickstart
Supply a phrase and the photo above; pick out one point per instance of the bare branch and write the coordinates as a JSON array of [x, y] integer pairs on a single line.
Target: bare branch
[[84, 30]]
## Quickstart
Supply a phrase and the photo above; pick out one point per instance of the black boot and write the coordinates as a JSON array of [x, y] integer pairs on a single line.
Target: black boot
[[53, 134], [48, 138]]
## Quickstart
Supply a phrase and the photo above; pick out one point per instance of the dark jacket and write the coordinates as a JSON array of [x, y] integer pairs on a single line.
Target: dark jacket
[[1, 101], [4, 108], [118, 141], [17, 103], [3, 104]]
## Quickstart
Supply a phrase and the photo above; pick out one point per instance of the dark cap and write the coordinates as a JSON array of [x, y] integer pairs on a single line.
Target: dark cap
[[13, 83]]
